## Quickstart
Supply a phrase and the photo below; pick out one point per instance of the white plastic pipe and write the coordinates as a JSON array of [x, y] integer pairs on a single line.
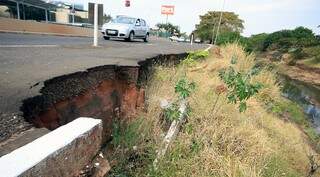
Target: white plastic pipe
[[172, 132]]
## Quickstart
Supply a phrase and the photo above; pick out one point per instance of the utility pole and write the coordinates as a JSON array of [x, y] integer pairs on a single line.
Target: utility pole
[[213, 30], [167, 19], [215, 41], [95, 24], [18, 11]]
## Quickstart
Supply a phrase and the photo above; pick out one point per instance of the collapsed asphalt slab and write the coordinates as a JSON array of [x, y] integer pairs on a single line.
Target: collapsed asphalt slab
[[27, 61]]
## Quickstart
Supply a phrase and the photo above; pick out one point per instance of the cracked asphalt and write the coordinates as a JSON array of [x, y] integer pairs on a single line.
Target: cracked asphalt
[[28, 60]]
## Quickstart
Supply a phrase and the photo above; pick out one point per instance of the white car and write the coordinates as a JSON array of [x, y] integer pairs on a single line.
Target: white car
[[181, 39], [173, 38], [197, 40], [127, 28]]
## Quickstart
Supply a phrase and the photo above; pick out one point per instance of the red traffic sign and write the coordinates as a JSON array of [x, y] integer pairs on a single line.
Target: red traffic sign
[[127, 4], [167, 10]]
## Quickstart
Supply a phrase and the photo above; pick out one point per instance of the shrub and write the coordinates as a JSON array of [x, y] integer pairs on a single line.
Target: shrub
[[240, 89], [201, 54], [195, 56], [255, 42], [228, 37], [184, 88], [285, 39]]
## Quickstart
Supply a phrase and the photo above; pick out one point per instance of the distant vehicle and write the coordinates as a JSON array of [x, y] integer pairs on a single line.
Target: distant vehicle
[[173, 38], [127, 28], [177, 39], [197, 40], [181, 39]]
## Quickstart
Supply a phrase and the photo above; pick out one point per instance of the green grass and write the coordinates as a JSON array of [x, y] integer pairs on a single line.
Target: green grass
[[312, 51], [198, 55], [291, 110], [313, 54], [133, 150], [277, 167], [126, 135], [313, 62]]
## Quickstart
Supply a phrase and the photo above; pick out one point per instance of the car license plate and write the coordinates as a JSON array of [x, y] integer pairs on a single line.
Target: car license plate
[[111, 32]]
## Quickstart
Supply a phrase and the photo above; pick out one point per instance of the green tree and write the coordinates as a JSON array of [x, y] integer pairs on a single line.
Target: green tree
[[286, 39], [228, 37], [255, 42], [169, 27], [231, 25]]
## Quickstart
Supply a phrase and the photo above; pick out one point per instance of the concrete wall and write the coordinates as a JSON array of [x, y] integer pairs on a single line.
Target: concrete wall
[[22, 26], [62, 15], [60, 153]]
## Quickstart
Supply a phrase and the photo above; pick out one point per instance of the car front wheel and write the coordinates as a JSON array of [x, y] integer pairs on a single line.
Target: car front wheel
[[106, 38], [130, 38], [146, 39]]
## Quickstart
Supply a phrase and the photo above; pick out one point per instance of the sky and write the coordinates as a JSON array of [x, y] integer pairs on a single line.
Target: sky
[[260, 16]]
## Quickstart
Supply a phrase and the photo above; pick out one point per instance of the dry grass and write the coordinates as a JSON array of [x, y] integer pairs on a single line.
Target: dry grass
[[221, 141]]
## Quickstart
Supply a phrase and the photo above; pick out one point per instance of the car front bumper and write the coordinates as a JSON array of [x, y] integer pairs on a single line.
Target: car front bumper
[[113, 33]]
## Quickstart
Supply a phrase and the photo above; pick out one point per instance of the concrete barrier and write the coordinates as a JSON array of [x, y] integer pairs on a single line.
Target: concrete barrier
[[34, 27], [60, 153]]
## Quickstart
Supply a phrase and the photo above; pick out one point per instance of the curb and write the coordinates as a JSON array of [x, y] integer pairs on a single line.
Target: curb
[[45, 34]]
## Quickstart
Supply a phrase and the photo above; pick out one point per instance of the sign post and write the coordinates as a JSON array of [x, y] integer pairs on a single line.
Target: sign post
[[95, 28], [73, 11], [96, 18], [167, 10]]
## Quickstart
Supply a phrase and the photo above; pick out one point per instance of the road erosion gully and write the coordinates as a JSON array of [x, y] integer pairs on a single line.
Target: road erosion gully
[[106, 92]]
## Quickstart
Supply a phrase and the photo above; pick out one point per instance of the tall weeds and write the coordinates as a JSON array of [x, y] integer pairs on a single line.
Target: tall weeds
[[222, 142]]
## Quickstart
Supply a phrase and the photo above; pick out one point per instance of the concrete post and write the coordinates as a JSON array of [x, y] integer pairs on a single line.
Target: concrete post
[[18, 10], [73, 11], [191, 41], [95, 33]]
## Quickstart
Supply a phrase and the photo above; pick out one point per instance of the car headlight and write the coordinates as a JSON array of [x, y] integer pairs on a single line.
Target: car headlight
[[124, 30], [105, 26]]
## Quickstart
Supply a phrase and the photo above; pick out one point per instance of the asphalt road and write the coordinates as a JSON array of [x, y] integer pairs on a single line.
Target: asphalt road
[[29, 59]]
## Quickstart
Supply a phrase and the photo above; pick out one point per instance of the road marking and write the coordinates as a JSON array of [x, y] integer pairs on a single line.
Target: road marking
[[26, 46], [210, 46]]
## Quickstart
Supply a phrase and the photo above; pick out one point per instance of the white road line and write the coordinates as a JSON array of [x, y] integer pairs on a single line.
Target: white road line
[[210, 46], [26, 46]]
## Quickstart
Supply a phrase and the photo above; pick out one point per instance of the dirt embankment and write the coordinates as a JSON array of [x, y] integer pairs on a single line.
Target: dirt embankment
[[301, 73], [298, 71], [105, 92]]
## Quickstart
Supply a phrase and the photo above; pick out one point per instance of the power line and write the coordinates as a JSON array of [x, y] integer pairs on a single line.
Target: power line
[[217, 34]]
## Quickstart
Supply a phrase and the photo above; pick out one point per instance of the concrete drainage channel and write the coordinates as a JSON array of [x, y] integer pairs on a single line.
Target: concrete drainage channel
[[105, 92]]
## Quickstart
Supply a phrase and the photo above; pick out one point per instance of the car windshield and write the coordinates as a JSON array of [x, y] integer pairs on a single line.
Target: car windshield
[[125, 20]]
